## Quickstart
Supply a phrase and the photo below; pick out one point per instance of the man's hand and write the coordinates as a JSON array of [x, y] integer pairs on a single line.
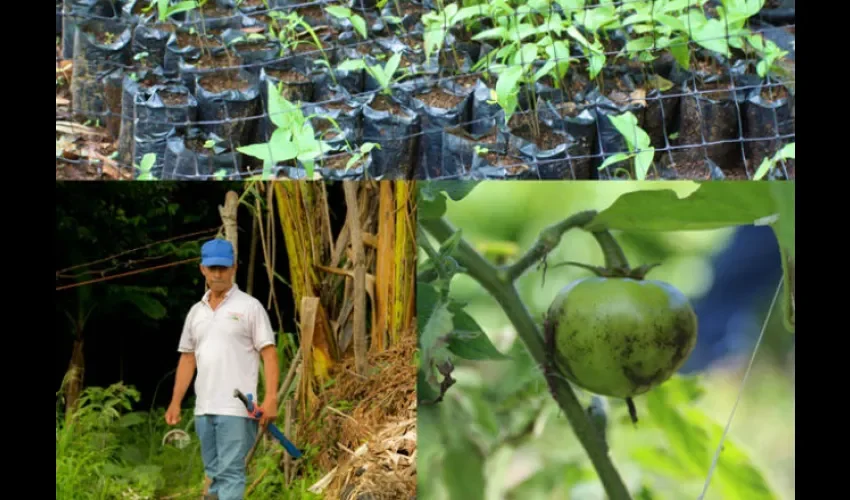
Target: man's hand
[[269, 408], [172, 415]]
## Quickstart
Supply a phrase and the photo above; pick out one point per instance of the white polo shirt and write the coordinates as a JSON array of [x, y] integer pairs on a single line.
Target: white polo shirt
[[226, 343]]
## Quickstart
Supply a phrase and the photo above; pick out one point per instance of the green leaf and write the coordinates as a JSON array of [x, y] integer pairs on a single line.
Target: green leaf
[[435, 323], [391, 68], [463, 471], [359, 25], [468, 341], [338, 11], [131, 419], [660, 461], [680, 51], [712, 206], [456, 190], [688, 444], [432, 203], [784, 229], [614, 158], [736, 477], [352, 65]]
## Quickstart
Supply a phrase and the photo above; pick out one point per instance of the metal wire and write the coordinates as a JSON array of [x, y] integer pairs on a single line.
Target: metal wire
[[751, 127]]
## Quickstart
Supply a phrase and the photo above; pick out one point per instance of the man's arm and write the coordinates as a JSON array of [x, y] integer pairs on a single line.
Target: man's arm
[[185, 371], [272, 372]]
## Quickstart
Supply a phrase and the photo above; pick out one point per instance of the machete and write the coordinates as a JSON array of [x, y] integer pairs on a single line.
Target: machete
[[256, 412]]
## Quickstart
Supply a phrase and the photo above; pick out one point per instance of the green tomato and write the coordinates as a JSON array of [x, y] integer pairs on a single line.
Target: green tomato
[[620, 337]]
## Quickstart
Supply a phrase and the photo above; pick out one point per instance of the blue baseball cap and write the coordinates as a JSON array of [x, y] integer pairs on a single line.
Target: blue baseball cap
[[217, 252]]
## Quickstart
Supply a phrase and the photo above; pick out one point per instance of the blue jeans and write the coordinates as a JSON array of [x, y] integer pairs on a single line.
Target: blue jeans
[[225, 442]]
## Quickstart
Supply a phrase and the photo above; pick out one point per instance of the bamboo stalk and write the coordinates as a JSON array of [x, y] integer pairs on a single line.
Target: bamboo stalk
[[359, 319], [402, 275], [384, 267]]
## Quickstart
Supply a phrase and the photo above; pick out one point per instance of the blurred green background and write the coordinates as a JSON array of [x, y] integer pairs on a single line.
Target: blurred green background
[[504, 410]]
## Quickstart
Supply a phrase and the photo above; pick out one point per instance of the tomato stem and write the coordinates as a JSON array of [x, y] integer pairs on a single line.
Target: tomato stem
[[615, 259], [499, 283], [547, 241]]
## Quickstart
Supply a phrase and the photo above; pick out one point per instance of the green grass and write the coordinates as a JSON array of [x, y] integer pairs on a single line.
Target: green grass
[[108, 451]]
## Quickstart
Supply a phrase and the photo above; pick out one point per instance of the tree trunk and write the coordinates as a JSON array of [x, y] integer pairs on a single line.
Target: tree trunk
[[359, 319], [76, 370], [228, 218]]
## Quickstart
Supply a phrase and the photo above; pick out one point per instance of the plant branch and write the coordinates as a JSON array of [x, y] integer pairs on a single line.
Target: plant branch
[[547, 241], [501, 287]]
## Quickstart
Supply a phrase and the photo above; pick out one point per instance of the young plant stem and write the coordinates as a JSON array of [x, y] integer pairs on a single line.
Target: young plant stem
[[501, 287], [548, 239]]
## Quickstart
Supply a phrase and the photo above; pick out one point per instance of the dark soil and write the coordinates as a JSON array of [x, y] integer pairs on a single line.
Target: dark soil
[[405, 9], [212, 11], [407, 59], [439, 98], [523, 126], [139, 8], [252, 46], [337, 104], [267, 20], [568, 110], [697, 171], [512, 165], [775, 93], [196, 144], [105, 37], [492, 138], [338, 161], [253, 3], [448, 61], [314, 11], [701, 120], [467, 82], [708, 67], [326, 129], [219, 60], [384, 103], [226, 80], [186, 40], [287, 75], [311, 47], [173, 98], [715, 91]]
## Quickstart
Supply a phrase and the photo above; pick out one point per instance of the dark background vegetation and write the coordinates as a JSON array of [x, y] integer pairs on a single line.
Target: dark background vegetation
[[98, 220]]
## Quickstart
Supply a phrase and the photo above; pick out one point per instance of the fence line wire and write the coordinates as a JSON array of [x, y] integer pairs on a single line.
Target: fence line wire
[[128, 273], [414, 142]]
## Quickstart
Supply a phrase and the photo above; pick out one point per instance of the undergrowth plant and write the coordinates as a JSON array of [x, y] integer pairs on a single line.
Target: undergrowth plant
[[471, 432], [294, 137], [637, 140]]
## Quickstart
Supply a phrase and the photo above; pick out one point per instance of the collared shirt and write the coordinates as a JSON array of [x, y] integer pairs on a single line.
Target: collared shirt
[[226, 343]]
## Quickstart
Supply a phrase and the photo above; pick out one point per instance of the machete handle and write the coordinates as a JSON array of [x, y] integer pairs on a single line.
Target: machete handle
[[246, 400]]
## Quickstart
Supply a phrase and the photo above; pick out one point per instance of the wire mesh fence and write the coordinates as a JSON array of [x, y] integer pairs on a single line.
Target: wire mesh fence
[[427, 89]]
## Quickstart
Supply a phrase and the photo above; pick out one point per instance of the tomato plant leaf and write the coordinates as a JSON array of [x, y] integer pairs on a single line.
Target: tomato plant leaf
[[712, 206], [468, 341], [662, 462], [431, 202], [736, 476], [688, 444], [456, 190], [463, 470], [434, 323]]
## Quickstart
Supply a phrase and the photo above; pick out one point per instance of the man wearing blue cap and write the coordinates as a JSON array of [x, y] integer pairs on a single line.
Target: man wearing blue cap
[[224, 336]]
